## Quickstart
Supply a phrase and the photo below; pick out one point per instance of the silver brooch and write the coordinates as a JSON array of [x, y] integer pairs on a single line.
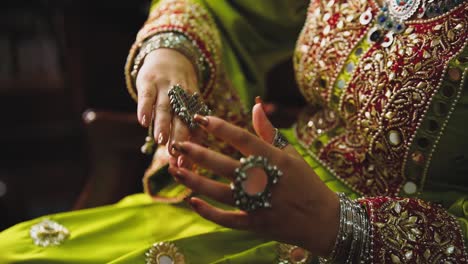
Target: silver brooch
[[164, 253], [48, 233], [289, 254]]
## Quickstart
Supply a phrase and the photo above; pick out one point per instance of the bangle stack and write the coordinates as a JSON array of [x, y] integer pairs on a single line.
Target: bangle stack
[[353, 240], [171, 40]]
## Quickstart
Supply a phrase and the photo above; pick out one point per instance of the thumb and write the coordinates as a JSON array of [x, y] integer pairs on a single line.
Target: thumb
[[265, 130]]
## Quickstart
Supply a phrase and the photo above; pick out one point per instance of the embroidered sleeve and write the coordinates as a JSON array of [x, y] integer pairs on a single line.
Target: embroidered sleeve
[[190, 19], [405, 230]]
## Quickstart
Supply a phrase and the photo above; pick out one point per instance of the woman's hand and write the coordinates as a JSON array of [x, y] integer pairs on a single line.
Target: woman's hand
[[162, 69], [304, 213]]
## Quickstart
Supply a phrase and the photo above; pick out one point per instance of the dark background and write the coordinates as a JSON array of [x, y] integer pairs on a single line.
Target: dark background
[[69, 138]]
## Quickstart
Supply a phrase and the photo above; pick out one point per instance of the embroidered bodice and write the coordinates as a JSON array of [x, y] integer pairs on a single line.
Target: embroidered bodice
[[379, 105]]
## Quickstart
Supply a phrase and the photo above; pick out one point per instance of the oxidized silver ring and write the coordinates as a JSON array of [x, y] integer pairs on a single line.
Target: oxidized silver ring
[[279, 140], [186, 105], [250, 202]]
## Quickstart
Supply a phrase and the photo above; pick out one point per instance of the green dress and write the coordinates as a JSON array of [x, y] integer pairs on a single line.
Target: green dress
[[253, 36]]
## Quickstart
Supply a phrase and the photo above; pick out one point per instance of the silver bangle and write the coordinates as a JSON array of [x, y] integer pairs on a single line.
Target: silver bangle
[[171, 40], [353, 240]]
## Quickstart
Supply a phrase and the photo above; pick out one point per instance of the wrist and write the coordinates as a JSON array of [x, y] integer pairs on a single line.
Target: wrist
[[352, 241], [176, 42]]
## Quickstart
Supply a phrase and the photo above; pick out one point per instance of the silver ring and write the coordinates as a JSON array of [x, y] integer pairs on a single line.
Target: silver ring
[[279, 140], [186, 105], [250, 202]]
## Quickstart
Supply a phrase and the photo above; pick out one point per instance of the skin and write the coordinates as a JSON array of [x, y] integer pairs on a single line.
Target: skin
[[305, 212], [162, 69]]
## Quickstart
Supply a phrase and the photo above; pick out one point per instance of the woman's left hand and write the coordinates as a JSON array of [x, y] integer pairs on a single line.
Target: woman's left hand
[[305, 212]]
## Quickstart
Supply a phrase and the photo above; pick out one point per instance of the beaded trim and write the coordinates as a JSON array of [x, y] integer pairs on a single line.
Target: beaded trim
[[414, 156]]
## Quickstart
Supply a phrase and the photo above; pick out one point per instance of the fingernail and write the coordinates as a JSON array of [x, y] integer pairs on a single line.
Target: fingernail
[[180, 162], [160, 138], [143, 120], [179, 148], [258, 100], [201, 120]]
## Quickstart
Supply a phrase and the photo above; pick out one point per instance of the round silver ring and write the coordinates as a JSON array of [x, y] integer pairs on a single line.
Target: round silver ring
[[250, 202], [279, 140], [186, 105]]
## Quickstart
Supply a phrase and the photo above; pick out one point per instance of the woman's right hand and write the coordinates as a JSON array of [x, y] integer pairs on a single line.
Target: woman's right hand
[[162, 69]]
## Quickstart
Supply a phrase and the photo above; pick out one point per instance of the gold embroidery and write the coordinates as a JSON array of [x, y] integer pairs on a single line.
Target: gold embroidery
[[412, 231], [331, 31], [384, 103]]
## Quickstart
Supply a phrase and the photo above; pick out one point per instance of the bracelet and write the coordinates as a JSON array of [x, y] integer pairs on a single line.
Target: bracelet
[[353, 240], [176, 41]]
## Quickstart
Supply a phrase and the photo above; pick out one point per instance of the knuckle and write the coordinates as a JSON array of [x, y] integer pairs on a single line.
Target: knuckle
[[216, 127], [242, 137], [146, 93], [163, 107], [146, 76]]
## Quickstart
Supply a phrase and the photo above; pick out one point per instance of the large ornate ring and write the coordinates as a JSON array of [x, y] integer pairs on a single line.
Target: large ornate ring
[[247, 201], [186, 105], [279, 140]]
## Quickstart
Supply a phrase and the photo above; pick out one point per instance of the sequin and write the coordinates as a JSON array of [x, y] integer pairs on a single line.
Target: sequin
[[350, 67], [454, 74], [410, 187], [423, 143], [448, 91], [394, 137], [432, 125], [340, 84], [48, 233], [358, 51], [164, 253], [375, 34]]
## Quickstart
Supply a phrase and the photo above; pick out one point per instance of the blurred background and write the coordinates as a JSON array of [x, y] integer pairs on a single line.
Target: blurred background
[[69, 138]]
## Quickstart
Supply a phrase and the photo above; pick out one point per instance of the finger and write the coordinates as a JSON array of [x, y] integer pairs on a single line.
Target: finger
[[241, 139], [184, 162], [230, 219], [146, 100], [179, 133], [173, 162], [266, 130], [163, 117], [209, 159], [204, 186]]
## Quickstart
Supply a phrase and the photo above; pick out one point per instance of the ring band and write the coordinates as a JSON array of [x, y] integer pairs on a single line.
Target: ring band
[[250, 202], [279, 140], [186, 105]]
